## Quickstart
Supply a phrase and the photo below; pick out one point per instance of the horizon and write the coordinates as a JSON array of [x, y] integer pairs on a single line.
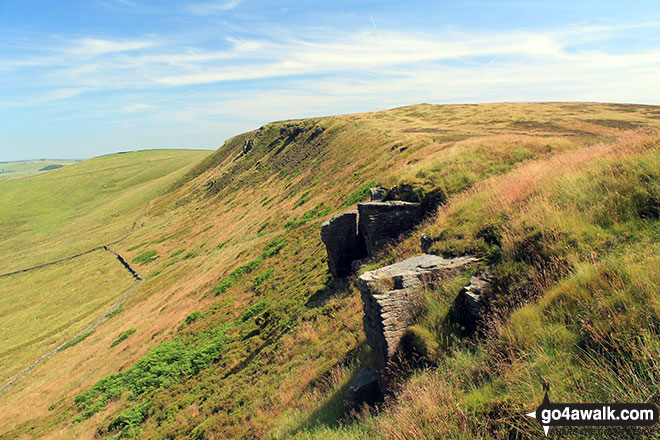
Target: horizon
[[84, 79]]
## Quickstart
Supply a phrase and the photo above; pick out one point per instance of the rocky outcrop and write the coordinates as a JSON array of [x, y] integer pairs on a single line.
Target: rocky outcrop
[[342, 243], [354, 235], [364, 390], [248, 145], [471, 302], [377, 194], [381, 222], [391, 298]]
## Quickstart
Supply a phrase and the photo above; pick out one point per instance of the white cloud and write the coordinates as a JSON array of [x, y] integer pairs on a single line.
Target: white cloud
[[64, 93], [137, 107], [210, 8], [351, 71], [91, 47]]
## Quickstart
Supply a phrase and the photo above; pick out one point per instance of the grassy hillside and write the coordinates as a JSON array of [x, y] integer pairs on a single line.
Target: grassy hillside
[[25, 168], [71, 209], [40, 310], [238, 331]]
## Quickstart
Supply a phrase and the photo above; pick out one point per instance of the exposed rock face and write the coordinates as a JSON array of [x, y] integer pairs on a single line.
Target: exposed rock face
[[364, 390], [248, 145], [380, 222], [391, 300], [340, 236], [471, 302], [377, 194], [425, 243]]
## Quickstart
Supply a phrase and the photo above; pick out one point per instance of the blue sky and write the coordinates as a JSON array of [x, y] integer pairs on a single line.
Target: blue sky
[[84, 78]]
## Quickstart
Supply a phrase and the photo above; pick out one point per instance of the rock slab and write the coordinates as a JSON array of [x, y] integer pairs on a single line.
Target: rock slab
[[364, 390], [381, 222], [471, 302], [391, 299]]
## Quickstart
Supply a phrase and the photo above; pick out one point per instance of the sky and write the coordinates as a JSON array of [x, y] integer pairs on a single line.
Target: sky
[[81, 78]]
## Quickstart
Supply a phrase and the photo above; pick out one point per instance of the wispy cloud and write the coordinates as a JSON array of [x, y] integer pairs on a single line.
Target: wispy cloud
[[193, 88], [114, 4], [137, 107], [91, 47], [209, 8]]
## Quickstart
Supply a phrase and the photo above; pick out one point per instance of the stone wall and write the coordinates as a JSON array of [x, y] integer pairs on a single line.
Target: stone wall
[[381, 222], [342, 243]]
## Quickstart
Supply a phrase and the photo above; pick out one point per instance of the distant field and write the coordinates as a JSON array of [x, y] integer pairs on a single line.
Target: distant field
[[23, 168], [71, 209], [40, 310]]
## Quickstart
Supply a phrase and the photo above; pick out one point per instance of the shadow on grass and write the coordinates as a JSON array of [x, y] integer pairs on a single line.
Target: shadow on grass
[[331, 289], [335, 412]]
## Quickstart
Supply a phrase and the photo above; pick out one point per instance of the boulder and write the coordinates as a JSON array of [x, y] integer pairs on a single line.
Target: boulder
[[377, 194], [472, 300], [380, 222], [425, 243], [391, 299], [342, 243], [364, 390]]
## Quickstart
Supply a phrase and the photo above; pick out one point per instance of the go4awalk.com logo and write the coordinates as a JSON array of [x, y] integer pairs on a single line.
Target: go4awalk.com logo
[[593, 414]]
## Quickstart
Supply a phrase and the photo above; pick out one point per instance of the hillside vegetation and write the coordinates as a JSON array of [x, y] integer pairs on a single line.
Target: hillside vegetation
[[239, 331], [26, 168], [71, 209]]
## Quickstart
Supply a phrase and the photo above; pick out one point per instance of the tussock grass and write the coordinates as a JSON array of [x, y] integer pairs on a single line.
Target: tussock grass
[[577, 278]]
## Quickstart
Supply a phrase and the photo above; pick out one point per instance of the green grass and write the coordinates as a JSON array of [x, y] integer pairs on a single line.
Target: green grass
[[272, 248], [40, 310], [146, 257], [83, 205], [165, 364], [317, 212], [360, 194], [25, 168], [77, 340], [192, 317], [122, 337]]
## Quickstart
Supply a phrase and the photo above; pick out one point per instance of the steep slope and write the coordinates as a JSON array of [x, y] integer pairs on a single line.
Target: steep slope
[[47, 306], [239, 332]]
